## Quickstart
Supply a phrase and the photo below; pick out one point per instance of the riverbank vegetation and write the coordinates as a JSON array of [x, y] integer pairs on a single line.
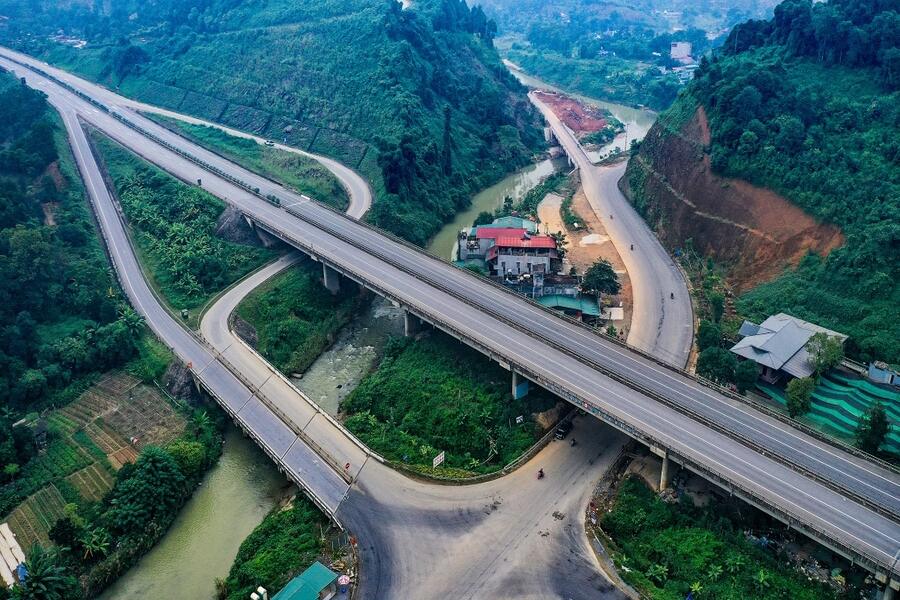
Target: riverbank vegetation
[[415, 98], [118, 463], [781, 88], [668, 551], [295, 318], [288, 541], [174, 230], [434, 394], [300, 173]]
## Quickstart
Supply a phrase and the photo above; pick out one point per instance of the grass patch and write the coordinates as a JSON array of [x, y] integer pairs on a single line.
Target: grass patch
[[435, 394], [668, 548], [295, 317], [173, 227], [300, 173]]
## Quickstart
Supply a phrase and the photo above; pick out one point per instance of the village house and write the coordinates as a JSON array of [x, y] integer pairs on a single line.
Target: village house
[[778, 346]]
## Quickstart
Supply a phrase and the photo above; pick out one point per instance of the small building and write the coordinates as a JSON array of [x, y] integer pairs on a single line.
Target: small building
[[318, 582], [679, 50], [474, 244], [585, 307], [881, 372], [778, 346]]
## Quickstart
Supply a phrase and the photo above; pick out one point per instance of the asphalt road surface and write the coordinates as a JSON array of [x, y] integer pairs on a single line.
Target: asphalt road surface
[[660, 325], [810, 503]]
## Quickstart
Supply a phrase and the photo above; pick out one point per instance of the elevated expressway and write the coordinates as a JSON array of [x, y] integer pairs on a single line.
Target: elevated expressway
[[843, 500]]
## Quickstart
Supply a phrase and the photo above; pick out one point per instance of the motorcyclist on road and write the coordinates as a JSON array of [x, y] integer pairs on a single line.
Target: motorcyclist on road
[[672, 295], [540, 473]]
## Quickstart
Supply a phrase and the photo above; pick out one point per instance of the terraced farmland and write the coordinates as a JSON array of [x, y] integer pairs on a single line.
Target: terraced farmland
[[146, 417], [839, 401], [90, 439], [32, 520], [92, 482]]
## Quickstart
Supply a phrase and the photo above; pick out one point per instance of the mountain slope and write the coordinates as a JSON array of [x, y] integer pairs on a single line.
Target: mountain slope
[[805, 109], [365, 81]]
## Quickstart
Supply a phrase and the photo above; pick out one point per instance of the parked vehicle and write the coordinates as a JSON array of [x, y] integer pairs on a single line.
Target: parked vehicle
[[563, 430]]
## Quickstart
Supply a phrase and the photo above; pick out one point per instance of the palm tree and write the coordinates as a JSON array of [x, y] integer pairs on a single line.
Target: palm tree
[[696, 588], [658, 573], [46, 578], [201, 420], [715, 571], [96, 543], [132, 320], [762, 580]]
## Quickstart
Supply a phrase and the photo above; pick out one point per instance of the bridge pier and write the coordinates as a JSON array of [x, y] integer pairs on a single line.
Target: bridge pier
[[331, 279], [548, 135], [411, 324], [520, 386], [664, 474]]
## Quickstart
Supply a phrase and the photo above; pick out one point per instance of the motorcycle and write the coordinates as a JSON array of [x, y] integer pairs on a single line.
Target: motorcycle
[[540, 474]]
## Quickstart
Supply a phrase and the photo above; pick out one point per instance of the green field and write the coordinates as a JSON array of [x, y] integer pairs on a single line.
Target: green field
[[666, 549], [300, 173], [435, 394]]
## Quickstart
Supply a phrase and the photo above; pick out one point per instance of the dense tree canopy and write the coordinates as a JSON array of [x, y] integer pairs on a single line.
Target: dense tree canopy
[[58, 303], [807, 104], [416, 98]]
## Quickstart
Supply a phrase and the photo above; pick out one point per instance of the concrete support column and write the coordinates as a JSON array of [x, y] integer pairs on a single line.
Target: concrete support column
[[411, 324], [519, 386], [888, 592], [664, 475], [331, 279]]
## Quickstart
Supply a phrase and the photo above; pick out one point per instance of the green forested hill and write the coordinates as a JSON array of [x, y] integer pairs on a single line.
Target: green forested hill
[[62, 318], [808, 104], [366, 81]]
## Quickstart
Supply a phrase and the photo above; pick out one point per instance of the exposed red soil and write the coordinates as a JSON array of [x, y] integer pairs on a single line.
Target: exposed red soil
[[579, 117], [754, 230]]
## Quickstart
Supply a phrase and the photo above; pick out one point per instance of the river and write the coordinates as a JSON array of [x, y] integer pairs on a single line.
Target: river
[[354, 353], [637, 121], [443, 244], [201, 545]]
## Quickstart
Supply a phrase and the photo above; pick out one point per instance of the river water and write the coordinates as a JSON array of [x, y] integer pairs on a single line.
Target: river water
[[204, 539], [637, 121], [443, 244], [354, 353]]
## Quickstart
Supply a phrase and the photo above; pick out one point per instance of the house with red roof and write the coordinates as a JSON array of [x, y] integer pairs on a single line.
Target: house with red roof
[[509, 251]]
